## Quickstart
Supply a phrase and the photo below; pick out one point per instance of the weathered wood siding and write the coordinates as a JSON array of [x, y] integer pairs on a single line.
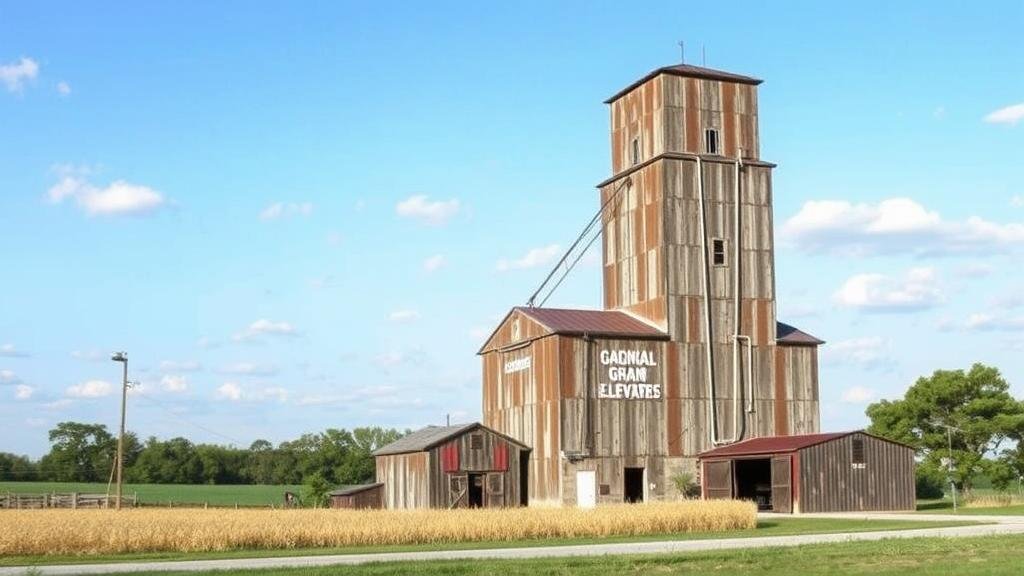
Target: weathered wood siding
[[525, 405], [796, 402], [829, 482], [406, 479], [369, 498], [496, 455]]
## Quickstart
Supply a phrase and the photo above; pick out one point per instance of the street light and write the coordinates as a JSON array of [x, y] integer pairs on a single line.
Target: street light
[[121, 357]]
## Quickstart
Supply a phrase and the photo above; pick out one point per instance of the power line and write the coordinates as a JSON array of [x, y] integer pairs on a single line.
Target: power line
[[166, 408]]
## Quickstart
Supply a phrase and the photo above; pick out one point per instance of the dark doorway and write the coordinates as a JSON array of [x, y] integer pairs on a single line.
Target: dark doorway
[[754, 482], [524, 478], [476, 490], [633, 485]]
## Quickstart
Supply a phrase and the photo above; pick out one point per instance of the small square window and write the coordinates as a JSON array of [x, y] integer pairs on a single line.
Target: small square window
[[711, 141], [636, 151], [857, 449], [476, 441], [718, 252]]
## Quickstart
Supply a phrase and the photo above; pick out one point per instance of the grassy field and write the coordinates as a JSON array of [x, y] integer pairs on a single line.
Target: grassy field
[[162, 494], [985, 556], [782, 526]]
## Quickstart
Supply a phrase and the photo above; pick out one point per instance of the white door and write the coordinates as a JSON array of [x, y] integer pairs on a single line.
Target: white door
[[586, 488]]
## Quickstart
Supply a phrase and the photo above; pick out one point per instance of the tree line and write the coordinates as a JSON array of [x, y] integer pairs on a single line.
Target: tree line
[[964, 425], [81, 452]]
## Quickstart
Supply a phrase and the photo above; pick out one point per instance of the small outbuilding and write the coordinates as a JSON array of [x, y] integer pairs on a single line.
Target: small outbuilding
[[834, 472], [466, 466], [358, 496]]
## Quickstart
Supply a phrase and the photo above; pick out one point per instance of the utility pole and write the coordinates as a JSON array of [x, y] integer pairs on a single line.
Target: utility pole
[[121, 357], [949, 460]]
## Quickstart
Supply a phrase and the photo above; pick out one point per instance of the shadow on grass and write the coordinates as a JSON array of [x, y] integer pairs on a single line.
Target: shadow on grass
[[935, 505]]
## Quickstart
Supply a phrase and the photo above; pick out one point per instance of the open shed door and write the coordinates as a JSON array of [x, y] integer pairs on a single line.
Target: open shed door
[[719, 479], [782, 484]]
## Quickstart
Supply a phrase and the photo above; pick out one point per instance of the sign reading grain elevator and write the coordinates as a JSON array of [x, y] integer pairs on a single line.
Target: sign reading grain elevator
[[687, 354]]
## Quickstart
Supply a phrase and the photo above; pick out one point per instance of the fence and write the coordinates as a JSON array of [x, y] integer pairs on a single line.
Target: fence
[[72, 500]]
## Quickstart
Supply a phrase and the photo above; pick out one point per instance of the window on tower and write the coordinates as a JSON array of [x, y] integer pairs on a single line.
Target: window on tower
[[636, 151], [718, 252], [711, 141]]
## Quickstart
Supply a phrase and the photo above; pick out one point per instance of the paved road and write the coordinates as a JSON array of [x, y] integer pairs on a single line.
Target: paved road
[[1000, 525]]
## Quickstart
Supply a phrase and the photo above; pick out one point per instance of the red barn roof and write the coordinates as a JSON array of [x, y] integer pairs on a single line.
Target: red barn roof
[[592, 322], [773, 444]]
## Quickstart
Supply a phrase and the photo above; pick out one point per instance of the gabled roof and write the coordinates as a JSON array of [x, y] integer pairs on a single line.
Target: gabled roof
[[786, 334], [354, 489], [688, 71], [426, 438], [782, 444], [592, 322]]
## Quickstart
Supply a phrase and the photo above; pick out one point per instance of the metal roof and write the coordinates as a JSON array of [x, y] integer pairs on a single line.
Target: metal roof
[[688, 71], [786, 334], [426, 438], [354, 489], [592, 322], [773, 444]]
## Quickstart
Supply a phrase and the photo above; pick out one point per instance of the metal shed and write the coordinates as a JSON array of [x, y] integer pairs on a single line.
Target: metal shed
[[359, 496], [466, 466], [834, 472]]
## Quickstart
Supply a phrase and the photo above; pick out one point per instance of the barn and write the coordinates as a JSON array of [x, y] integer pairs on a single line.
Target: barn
[[835, 472], [465, 466], [358, 496]]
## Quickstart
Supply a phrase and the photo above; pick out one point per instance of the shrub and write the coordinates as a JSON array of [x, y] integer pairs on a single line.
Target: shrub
[[686, 485], [930, 483]]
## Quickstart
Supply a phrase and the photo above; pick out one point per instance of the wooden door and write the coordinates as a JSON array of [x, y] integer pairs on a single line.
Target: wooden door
[[782, 485], [495, 497], [719, 479], [458, 485]]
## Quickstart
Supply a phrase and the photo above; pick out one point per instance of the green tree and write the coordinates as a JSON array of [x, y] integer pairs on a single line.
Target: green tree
[[17, 468], [79, 453], [977, 403], [315, 491]]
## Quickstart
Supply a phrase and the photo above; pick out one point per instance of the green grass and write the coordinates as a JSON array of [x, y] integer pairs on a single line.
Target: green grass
[[783, 526], [161, 494], [982, 556], [945, 506]]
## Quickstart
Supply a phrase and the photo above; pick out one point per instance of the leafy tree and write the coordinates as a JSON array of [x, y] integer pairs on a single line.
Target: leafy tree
[[18, 468], [977, 403], [79, 453], [315, 491]]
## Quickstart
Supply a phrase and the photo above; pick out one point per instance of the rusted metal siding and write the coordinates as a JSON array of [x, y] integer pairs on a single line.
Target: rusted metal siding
[[525, 404], [693, 104], [829, 481], [795, 376], [406, 479]]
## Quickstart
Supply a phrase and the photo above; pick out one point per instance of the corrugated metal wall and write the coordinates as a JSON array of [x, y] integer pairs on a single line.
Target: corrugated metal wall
[[829, 482]]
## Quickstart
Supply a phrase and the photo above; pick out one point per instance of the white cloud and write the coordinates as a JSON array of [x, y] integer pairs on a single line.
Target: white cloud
[[9, 351], [916, 290], [869, 352], [119, 198], [90, 389], [434, 263], [185, 366], [991, 323], [264, 327], [893, 226], [858, 395], [8, 377], [63, 88], [15, 74], [334, 238], [1017, 201], [532, 259], [434, 213], [250, 369], [403, 316], [975, 270], [235, 393], [286, 209], [1009, 115], [229, 391], [58, 404], [174, 383], [23, 392]]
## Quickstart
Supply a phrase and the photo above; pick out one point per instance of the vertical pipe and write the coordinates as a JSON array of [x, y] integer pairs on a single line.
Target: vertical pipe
[[708, 343], [120, 437]]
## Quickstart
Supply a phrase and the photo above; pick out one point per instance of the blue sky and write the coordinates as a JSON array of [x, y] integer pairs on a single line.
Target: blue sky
[[304, 216]]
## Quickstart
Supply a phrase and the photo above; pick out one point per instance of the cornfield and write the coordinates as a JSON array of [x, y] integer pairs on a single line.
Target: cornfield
[[41, 532]]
